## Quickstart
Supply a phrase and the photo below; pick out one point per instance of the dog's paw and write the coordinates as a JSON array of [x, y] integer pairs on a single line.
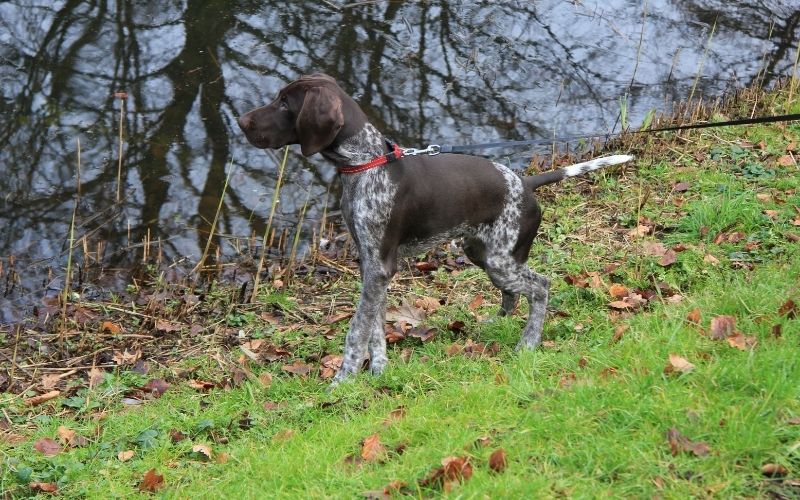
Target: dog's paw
[[377, 365]]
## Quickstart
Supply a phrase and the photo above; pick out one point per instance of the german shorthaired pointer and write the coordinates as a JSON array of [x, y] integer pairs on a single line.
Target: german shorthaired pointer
[[396, 204]]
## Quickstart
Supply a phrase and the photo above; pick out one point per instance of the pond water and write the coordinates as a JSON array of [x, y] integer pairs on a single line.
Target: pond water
[[175, 74]]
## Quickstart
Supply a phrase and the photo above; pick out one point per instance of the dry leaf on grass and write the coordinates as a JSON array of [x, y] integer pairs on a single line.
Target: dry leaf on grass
[[372, 449], [429, 304], [41, 487], [618, 291], [680, 443], [741, 341], [329, 365], [203, 451], [788, 309], [774, 470], [498, 461], [407, 313], [453, 470], [619, 332], [110, 327], [68, 437], [151, 482], [721, 327], [678, 364], [299, 367], [47, 447]]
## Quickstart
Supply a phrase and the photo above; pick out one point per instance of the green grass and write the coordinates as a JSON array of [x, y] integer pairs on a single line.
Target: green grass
[[605, 434], [584, 416]]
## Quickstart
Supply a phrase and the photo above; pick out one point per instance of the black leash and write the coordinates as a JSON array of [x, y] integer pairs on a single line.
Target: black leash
[[435, 149]]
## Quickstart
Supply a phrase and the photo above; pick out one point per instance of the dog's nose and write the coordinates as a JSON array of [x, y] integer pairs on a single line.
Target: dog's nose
[[245, 121]]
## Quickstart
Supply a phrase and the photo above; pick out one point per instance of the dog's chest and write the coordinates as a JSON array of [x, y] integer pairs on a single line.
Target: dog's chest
[[367, 201]]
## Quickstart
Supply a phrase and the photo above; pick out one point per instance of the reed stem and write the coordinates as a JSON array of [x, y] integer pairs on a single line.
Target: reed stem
[[275, 197], [213, 229]]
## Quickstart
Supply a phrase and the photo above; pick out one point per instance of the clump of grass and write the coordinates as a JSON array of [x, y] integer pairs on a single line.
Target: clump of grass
[[726, 211]]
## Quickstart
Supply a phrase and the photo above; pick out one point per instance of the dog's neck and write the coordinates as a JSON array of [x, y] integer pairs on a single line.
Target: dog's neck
[[362, 147]]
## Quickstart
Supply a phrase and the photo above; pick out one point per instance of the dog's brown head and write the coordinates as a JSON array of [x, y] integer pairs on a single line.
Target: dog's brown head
[[311, 111]]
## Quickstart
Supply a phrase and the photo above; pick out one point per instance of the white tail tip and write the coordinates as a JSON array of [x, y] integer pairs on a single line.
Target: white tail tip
[[588, 166]]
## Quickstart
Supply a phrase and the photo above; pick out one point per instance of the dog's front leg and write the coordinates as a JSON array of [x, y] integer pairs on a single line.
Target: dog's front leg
[[361, 337]]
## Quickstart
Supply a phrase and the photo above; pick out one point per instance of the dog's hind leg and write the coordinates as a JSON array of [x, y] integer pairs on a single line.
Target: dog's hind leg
[[515, 278]]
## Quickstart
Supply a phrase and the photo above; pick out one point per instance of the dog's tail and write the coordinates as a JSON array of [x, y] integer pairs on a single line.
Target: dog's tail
[[560, 174]]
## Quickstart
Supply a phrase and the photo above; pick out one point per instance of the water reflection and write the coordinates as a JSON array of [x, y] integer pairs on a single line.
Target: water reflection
[[451, 71]]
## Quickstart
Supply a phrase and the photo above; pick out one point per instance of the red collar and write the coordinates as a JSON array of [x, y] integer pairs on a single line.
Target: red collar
[[395, 154]]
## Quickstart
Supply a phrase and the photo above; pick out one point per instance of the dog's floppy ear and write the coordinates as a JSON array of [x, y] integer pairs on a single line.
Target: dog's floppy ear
[[319, 120]]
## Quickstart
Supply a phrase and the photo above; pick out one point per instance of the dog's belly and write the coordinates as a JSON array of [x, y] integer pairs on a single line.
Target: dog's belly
[[416, 246]]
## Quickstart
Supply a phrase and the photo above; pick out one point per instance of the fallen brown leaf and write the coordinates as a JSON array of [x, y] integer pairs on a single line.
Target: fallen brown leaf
[[329, 365], [639, 231], [453, 470], [456, 326], [165, 326], [68, 437], [110, 327], [788, 309], [393, 334], [38, 486], [151, 482], [407, 313], [721, 327], [678, 364], [157, 387], [453, 349], [618, 291], [50, 380], [335, 318], [200, 385], [299, 367], [741, 341], [619, 331], [694, 316], [498, 461], [669, 258], [680, 443], [475, 302], [176, 436], [47, 447], [202, 450], [265, 378], [372, 450], [654, 248], [429, 304], [422, 332], [395, 415], [774, 470], [96, 377]]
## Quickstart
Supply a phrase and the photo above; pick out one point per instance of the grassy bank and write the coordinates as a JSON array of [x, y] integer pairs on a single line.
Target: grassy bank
[[670, 366]]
